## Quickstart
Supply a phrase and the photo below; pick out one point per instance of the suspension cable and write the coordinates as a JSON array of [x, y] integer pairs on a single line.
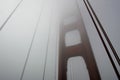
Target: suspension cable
[[105, 34], [91, 11]]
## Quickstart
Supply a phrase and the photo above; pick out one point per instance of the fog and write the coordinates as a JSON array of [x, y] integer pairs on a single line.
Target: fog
[[29, 40]]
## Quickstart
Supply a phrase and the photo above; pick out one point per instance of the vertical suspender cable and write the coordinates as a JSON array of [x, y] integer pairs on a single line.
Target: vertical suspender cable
[[28, 54], [46, 55], [56, 53], [89, 7], [10, 15]]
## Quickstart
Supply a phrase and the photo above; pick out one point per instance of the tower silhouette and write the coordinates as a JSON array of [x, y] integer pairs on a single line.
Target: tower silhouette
[[82, 49]]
